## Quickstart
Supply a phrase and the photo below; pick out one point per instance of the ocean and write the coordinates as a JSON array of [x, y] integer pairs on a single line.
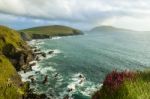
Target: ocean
[[92, 56]]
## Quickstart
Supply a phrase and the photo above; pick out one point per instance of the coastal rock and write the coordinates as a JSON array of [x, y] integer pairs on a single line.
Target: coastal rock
[[36, 50], [32, 64], [50, 52], [48, 32], [31, 76], [45, 79], [66, 97], [36, 96], [37, 58], [18, 57], [43, 54]]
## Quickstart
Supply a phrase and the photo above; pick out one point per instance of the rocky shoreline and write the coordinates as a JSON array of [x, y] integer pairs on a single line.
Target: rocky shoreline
[[32, 79], [36, 54]]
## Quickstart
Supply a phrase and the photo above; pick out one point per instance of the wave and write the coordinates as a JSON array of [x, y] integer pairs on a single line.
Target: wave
[[87, 88], [56, 38]]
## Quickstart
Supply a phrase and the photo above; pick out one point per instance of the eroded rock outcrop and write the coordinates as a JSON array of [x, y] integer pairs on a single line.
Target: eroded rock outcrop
[[15, 55]]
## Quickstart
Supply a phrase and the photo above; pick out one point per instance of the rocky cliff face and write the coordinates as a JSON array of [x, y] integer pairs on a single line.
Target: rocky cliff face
[[48, 31], [15, 55], [14, 48]]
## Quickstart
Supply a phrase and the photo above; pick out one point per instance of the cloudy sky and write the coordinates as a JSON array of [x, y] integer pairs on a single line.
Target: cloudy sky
[[83, 14]]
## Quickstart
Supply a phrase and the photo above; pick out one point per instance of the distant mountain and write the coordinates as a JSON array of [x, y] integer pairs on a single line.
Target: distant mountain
[[48, 31], [109, 29]]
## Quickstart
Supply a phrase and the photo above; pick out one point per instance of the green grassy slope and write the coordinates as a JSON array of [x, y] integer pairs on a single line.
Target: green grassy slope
[[9, 79], [9, 36], [136, 87], [46, 31]]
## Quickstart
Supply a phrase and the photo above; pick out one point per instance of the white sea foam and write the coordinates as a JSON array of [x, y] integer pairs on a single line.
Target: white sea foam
[[44, 70], [87, 88], [76, 83], [90, 88], [55, 38], [25, 76]]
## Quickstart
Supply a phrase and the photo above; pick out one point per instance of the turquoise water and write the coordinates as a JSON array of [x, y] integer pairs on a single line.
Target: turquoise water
[[93, 55]]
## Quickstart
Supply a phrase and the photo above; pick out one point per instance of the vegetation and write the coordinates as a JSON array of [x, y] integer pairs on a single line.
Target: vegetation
[[125, 85], [48, 31], [10, 82], [9, 36]]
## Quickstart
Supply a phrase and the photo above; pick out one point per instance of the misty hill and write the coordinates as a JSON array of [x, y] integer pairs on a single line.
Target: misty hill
[[109, 29], [48, 31]]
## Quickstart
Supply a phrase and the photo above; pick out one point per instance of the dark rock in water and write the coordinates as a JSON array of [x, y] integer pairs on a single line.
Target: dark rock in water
[[41, 53], [32, 64], [50, 52], [31, 76], [37, 72], [45, 79], [37, 58], [32, 80], [81, 76], [66, 97], [33, 47], [51, 95], [70, 89], [36, 50], [81, 81], [44, 54], [56, 75], [24, 70]]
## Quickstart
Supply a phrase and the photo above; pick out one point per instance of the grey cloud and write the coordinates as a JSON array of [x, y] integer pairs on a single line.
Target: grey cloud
[[71, 9], [75, 11]]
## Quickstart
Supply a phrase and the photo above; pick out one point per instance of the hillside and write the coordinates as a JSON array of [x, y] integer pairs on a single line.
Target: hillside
[[109, 29], [125, 85], [48, 31], [14, 56]]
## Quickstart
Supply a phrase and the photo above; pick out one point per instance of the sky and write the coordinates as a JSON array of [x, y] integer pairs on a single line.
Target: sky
[[82, 14]]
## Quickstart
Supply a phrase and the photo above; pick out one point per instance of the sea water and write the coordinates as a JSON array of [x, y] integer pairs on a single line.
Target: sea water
[[92, 55]]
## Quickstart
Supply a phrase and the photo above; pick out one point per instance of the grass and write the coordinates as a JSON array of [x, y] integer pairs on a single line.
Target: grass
[[132, 87], [55, 30], [9, 36], [9, 79]]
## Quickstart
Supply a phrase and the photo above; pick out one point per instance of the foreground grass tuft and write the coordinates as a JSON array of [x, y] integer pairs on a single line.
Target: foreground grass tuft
[[125, 85]]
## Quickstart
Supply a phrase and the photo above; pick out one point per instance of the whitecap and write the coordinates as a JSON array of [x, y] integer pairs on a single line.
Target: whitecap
[[56, 51], [56, 38], [44, 70]]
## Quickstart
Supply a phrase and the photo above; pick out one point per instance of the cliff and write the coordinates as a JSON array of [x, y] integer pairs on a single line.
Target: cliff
[[48, 32], [15, 55]]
